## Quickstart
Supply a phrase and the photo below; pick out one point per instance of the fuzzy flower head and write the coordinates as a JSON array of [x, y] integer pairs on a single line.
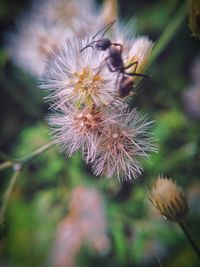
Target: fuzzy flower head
[[81, 129], [79, 16], [77, 77], [168, 199], [85, 224], [35, 43], [92, 218], [139, 52], [121, 146], [66, 245], [75, 129]]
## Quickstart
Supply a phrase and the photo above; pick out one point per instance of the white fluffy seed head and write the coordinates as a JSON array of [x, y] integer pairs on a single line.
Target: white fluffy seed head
[[78, 129], [75, 129], [85, 225], [81, 17], [140, 52], [122, 145], [81, 129], [91, 215], [77, 77], [35, 42]]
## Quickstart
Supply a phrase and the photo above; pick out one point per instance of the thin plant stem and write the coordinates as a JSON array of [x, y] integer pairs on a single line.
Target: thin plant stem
[[169, 32], [6, 165], [190, 239], [34, 154], [8, 194], [17, 166], [26, 159]]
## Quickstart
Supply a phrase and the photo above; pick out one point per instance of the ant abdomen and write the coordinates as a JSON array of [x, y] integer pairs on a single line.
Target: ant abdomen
[[125, 86]]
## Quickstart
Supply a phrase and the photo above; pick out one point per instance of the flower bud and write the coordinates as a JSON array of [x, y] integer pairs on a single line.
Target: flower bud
[[194, 17], [168, 199]]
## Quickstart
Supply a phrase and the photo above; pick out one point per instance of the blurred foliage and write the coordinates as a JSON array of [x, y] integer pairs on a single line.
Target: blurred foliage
[[40, 199]]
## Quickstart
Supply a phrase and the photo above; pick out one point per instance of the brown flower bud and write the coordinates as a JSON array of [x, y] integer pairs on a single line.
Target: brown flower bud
[[168, 199], [194, 17]]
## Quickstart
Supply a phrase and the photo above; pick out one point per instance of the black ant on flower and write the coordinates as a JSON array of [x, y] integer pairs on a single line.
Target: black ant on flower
[[115, 62]]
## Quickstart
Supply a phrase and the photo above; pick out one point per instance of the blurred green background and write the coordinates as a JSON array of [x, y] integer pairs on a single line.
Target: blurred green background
[[40, 199]]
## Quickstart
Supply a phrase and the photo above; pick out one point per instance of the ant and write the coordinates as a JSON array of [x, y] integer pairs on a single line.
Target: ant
[[114, 61]]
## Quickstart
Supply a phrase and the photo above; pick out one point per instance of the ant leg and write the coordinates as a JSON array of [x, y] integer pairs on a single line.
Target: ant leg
[[132, 64], [110, 69], [108, 65], [144, 77], [137, 74]]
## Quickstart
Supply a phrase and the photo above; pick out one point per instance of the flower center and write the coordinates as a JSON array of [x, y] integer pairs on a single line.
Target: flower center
[[87, 85], [88, 120], [118, 142]]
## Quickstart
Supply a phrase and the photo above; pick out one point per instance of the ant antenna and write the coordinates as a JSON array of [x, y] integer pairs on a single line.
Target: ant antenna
[[89, 45], [105, 29]]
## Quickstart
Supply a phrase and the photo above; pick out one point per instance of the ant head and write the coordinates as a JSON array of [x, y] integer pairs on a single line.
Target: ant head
[[125, 86], [103, 44]]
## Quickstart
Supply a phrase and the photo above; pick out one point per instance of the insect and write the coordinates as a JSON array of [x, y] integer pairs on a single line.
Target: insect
[[102, 43], [115, 62], [126, 83]]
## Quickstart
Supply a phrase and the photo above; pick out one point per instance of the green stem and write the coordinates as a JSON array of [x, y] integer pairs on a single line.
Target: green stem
[[190, 239], [8, 194], [17, 166], [26, 159], [34, 154], [169, 32], [6, 165]]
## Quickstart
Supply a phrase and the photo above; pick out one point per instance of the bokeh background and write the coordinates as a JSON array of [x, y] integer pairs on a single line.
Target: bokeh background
[[40, 207]]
